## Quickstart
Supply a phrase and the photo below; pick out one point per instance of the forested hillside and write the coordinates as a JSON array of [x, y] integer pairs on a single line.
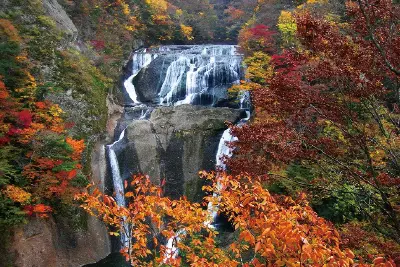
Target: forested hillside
[[313, 179]]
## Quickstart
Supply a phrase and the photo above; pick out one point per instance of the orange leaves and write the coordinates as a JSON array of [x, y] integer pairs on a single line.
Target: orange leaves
[[40, 105], [8, 29], [39, 210], [78, 146], [66, 175], [147, 203], [234, 13], [247, 236], [3, 93], [279, 231], [382, 262]]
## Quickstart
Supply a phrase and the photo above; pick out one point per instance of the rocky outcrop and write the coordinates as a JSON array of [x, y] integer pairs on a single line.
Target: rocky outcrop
[[175, 143], [150, 79], [63, 22], [43, 242], [58, 242]]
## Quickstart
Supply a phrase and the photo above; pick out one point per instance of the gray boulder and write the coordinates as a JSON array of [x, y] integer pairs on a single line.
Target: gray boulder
[[175, 144]]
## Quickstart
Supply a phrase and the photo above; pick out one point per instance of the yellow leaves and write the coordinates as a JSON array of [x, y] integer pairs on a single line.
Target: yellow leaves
[[125, 8], [333, 131], [21, 58], [114, 233], [30, 80], [287, 24], [179, 12], [17, 194], [378, 157], [160, 19], [317, 1], [130, 28], [159, 6], [55, 110], [259, 69], [187, 31], [313, 2]]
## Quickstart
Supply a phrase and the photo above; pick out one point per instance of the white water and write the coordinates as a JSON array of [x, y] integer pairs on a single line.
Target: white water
[[140, 60], [171, 249], [118, 184], [173, 79], [205, 68], [224, 151], [194, 70]]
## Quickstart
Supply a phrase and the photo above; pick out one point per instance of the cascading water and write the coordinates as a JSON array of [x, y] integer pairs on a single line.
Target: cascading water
[[185, 75], [140, 60], [198, 74], [118, 183], [225, 151]]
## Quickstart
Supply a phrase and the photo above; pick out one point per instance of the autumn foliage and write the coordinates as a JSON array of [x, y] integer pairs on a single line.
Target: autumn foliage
[[314, 180], [257, 38], [38, 160], [326, 117], [272, 230], [323, 144]]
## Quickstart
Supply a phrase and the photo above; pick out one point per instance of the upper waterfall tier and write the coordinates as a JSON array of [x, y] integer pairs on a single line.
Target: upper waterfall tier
[[173, 75]]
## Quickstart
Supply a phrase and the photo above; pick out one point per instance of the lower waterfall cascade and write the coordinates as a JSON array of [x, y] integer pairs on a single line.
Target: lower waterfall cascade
[[194, 75]]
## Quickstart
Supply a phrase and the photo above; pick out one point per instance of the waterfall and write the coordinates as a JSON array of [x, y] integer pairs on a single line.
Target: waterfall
[[140, 60], [224, 151], [199, 74], [173, 79], [200, 70], [171, 249], [118, 184]]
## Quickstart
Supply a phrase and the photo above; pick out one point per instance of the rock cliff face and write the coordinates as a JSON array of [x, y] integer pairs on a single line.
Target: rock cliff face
[[63, 22], [175, 143], [55, 241], [43, 242]]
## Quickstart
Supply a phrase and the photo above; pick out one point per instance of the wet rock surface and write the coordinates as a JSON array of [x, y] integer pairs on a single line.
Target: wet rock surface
[[175, 143]]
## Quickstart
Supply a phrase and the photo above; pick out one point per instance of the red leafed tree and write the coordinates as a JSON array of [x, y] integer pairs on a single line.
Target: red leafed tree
[[257, 38], [333, 107], [25, 118]]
